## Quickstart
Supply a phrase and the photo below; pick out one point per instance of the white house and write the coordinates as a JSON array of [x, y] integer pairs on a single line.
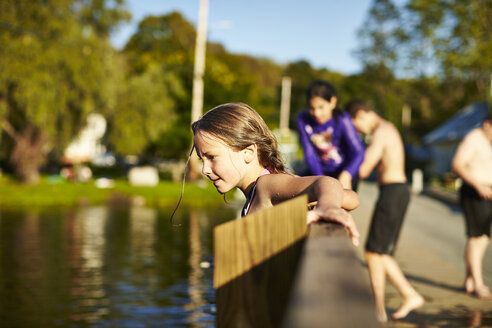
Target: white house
[[88, 143]]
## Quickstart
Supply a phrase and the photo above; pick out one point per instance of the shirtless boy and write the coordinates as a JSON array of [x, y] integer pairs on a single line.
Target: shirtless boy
[[387, 154], [473, 163]]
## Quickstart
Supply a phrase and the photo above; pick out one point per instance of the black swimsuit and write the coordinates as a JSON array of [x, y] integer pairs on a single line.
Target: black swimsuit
[[252, 195]]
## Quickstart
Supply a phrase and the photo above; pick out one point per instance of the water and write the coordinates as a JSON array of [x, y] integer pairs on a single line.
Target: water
[[107, 267]]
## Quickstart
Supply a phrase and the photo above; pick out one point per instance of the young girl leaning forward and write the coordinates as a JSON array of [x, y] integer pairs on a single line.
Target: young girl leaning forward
[[238, 150]]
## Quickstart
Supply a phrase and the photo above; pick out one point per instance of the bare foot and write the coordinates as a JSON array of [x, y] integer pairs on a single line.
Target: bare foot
[[483, 293], [381, 316], [409, 304], [469, 286]]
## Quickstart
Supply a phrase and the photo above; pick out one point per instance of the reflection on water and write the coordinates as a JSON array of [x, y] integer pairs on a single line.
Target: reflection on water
[[109, 267]]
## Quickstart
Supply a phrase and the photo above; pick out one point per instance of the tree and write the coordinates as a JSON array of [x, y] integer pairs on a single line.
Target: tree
[[458, 34], [54, 70], [169, 42], [380, 34], [145, 110]]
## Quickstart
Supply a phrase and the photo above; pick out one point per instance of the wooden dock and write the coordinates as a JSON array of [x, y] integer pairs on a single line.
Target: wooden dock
[[270, 271]]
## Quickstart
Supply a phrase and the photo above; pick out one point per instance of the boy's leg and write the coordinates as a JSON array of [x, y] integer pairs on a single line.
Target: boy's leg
[[377, 276], [411, 298], [475, 252], [469, 284]]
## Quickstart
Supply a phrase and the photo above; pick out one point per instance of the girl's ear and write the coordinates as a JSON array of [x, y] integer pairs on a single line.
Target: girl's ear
[[250, 153], [334, 100]]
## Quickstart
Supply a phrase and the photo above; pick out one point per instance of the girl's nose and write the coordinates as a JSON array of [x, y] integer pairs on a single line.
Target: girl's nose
[[206, 168]]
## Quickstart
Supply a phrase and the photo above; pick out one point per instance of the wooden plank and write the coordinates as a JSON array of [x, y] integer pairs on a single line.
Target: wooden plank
[[259, 297], [331, 289], [240, 245]]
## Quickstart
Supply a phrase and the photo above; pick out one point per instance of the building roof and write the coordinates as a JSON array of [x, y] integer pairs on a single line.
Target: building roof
[[456, 127]]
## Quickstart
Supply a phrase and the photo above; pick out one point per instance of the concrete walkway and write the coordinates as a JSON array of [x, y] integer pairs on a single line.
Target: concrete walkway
[[430, 253]]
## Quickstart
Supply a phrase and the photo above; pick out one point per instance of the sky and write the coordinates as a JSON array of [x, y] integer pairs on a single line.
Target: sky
[[323, 32]]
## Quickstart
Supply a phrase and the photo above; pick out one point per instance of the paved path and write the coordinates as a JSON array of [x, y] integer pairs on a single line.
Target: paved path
[[430, 253]]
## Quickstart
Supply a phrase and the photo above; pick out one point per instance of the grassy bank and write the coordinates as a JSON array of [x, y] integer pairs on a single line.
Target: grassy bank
[[62, 193]]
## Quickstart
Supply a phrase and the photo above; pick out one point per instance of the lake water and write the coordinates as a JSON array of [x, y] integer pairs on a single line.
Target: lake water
[[107, 267]]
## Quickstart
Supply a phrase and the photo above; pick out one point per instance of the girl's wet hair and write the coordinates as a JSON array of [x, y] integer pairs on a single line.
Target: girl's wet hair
[[239, 126]]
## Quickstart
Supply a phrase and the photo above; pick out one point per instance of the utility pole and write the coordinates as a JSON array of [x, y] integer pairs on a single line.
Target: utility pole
[[406, 116], [285, 105], [199, 68], [287, 140]]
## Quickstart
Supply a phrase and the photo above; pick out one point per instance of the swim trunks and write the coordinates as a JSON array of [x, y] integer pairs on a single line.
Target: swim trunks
[[387, 218], [478, 212]]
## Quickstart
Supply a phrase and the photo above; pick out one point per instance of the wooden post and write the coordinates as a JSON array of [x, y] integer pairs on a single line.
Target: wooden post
[[239, 245], [285, 104], [406, 116], [198, 71], [255, 260]]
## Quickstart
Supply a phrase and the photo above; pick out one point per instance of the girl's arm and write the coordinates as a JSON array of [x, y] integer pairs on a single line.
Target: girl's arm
[[272, 189], [355, 148], [310, 155], [350, 200]]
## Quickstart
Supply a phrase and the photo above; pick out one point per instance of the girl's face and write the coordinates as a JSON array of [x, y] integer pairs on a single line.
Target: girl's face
[[321, 109], [224, 166]]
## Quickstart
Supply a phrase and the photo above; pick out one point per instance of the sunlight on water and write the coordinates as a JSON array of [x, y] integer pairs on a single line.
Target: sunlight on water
[[107, 267]]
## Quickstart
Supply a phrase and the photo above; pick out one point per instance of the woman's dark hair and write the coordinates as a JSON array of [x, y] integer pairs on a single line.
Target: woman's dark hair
[[320, 89], [323, 90]]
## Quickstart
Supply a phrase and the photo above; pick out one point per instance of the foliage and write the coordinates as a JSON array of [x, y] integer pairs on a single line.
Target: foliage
[[165, 43], [54, 70], [169, 41], [56, 67], [145, 109], [457, 34], [380, 34], [442, 46]]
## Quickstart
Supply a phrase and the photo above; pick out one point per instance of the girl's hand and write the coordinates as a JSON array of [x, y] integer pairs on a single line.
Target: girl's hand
[[338, 215]]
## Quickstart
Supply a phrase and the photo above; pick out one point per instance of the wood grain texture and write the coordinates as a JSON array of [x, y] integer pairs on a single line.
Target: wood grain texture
[[242, 244]]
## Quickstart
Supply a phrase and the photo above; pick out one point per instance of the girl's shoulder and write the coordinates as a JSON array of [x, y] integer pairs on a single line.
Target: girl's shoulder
[[273, 188], [269, 183]]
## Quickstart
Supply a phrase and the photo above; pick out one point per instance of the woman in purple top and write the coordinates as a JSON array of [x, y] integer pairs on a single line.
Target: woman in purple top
[[328, 138]]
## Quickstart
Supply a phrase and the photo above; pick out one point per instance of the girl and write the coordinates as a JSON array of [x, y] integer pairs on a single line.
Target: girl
[[328, 138], [238, 150]]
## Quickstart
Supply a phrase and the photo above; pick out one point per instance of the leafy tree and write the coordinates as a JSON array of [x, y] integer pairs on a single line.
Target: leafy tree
[[145, 110], [165, 43], [444, 48], [380, 34], [54, 70], [169, 41], [458, 34]]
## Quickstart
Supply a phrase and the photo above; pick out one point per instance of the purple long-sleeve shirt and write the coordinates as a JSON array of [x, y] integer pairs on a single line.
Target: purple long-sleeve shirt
[[332, 147]]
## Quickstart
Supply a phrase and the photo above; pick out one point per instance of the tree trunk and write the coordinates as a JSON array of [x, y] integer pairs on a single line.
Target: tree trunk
[[28, 153]]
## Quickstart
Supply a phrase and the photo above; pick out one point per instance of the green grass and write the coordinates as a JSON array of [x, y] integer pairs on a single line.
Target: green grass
[[62, 193]]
